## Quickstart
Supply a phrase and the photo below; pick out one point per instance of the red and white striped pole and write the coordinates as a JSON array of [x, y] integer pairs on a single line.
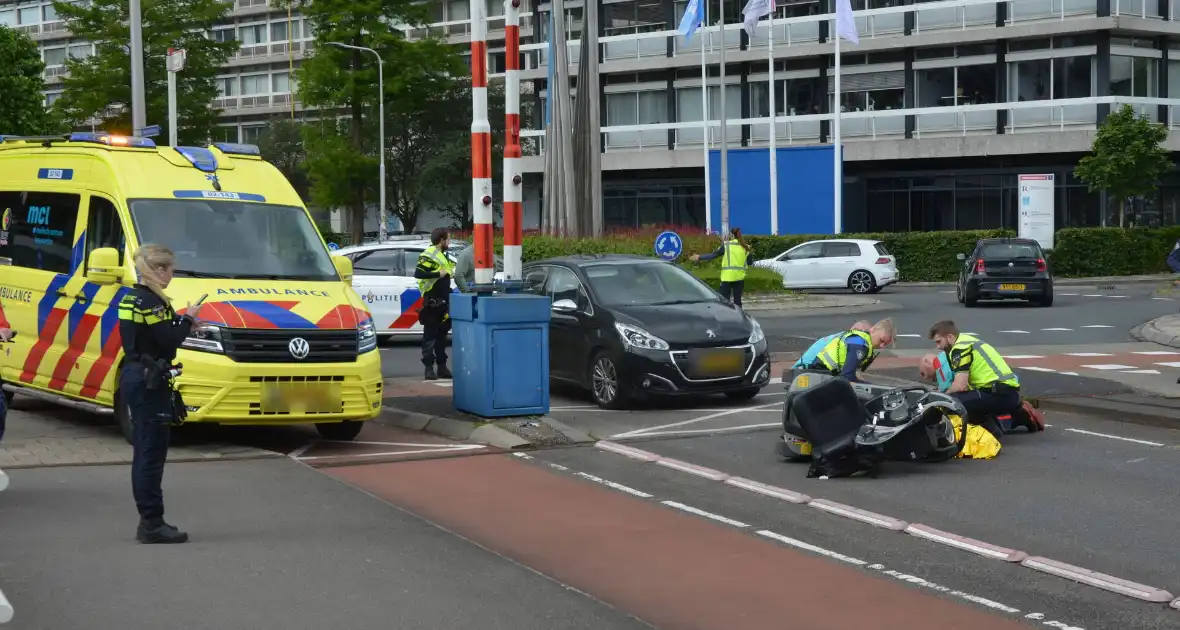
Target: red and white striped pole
[[513, 189], [481, 147]]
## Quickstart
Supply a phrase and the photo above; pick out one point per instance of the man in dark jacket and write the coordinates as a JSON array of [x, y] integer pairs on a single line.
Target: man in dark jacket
[[434, 272]]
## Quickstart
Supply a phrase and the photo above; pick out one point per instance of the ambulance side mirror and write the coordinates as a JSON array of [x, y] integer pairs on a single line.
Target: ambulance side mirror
[[343, 267], [104, 267]]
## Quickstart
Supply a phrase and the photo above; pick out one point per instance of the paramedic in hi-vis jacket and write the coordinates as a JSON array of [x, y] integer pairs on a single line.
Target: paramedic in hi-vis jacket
[[434, 273], [735, 260]]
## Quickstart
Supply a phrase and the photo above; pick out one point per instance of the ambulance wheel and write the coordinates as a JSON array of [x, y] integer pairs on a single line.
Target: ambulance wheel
[[340, 431], [123, 416]]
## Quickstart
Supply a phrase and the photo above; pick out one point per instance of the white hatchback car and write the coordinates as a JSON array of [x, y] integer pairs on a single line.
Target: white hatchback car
[[383, 275], [861, 265]]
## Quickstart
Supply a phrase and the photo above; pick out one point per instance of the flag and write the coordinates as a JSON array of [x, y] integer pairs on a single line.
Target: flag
[[694, 16], [754, 11], [845, 24]]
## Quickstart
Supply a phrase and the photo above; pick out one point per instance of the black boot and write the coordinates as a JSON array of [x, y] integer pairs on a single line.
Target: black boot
[[444, 371], [159, 533], [430, 375]]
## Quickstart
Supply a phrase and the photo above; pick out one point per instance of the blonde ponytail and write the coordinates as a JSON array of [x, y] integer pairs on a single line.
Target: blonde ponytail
[[150, 262]]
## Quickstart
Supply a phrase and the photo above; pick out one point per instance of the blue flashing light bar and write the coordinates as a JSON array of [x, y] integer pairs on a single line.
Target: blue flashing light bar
[[200, 157], [233, 148], [113, 140]]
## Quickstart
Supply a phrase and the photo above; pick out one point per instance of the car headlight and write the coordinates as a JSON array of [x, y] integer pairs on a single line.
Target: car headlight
[[637, 337], [756, 335], [366, 337], [204, 339]]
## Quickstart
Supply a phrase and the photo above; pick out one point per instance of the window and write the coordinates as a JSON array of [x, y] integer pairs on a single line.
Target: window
[[805, 251], [534, 280], [30, 15], [51, 98], [1073, 77], [457, 11], [382, 262], [252, 133], [881, 249], [646, 284], [103, 228], [280, 83], [225, 133], [1029, 80], [278, 31], [227, 86], [564, 285], [255, 84], [1132, 76], [55, 56], [49, 13], [252, 35], [223, 35], [80, 51], [7, 17], [841, 250], [40, 231]]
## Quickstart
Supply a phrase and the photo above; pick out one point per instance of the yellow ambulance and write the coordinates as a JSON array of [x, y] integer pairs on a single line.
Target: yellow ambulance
[[288, 341]]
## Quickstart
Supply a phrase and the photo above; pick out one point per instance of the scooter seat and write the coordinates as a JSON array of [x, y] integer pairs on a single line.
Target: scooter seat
[[828, 412]]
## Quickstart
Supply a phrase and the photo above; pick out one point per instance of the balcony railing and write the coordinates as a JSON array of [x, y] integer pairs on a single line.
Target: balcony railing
[[888, 124]]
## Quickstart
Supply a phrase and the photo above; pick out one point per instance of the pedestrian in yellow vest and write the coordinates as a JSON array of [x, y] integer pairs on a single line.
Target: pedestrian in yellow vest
[[735, 260], [434, 271]]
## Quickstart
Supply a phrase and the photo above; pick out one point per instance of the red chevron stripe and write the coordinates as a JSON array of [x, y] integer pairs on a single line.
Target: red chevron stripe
[[44, 342], [65, 365], [408, 317], [98, 372]]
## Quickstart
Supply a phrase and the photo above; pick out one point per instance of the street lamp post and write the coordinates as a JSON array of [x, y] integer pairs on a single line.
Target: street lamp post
[[382, 232]]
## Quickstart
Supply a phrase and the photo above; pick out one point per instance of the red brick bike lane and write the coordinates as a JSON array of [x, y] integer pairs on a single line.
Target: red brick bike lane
[[674, 571]]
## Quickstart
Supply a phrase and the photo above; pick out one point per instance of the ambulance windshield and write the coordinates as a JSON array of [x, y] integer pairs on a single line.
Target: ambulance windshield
[[234, 239]]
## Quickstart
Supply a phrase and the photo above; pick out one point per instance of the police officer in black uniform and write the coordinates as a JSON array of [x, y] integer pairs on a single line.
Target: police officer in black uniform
[[152, 333], [434, 271]]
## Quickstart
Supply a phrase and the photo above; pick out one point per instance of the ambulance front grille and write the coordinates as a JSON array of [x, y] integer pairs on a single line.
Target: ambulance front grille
[[252, 345]]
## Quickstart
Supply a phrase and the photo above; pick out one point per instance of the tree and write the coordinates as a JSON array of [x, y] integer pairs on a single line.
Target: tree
[[100, 85], [281, 144], [22, 104], [342, 160], [1127, 159]]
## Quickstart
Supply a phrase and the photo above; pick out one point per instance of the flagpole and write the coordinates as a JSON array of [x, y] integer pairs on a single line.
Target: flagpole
[[837, 162], [724, 124], [706, 130], [773, 130]]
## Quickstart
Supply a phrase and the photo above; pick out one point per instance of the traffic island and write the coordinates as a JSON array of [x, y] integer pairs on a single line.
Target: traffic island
[[437, 415], [1162, 330], [805, 301]]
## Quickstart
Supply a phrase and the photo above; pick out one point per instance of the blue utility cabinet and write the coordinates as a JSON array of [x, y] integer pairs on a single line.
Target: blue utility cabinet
[[500, 354]]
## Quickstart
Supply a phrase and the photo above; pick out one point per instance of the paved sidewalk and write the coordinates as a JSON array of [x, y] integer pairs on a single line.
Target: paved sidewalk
[[1162, 330], [41, 434]]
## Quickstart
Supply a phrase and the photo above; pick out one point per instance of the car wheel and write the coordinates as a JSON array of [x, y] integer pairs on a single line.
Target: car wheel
[[1046, 300], [970, 299], [959, 292], [605, 386], [339, 431], [861, 281], [743, 394], [123, 415]]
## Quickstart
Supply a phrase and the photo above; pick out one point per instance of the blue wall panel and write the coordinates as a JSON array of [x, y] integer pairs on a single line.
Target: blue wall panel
[[805, 193]]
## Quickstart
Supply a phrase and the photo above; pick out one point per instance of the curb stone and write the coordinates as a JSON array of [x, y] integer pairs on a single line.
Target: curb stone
[[492, 433], [1152, 331], [1145, 416]]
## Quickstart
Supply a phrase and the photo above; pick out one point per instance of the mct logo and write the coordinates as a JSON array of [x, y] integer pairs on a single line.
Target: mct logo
[[38, 215]]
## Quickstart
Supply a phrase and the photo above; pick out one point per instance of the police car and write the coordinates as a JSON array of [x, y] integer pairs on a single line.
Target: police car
[[383, 275]]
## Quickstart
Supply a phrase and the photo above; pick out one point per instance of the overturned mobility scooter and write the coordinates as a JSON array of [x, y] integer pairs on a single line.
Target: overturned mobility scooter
[[849, 428]]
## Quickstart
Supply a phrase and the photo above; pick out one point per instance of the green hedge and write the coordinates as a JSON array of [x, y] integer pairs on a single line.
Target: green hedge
[[921, 256], [757, 280]]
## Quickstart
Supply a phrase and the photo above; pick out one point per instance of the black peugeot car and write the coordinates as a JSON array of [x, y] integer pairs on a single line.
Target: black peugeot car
[[628, 326], [1005, 269]]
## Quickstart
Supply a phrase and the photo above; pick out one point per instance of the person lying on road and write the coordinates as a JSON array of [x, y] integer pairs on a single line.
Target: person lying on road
[[854, 350]]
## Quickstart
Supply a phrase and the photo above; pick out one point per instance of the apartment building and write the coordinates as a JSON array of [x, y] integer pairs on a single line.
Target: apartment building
[[944, 103]]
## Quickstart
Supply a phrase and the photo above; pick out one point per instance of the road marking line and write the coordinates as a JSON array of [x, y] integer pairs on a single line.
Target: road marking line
[[1035, 368], [1087, 354], [1160, 298], [443, 384], [1067, 374], [297, 453], [1116, 437], [1116, 296], [771, 491], [799, 544], [857, 514], [1099, 580], [626, 451], [1109, 366], [1058, 329], [1141, 371], [464, 447], [699, 512], [1097, 326], [966, 544], [1156, 352], [615, 486], [1017, 332], [692, 469], [1023, 356], [1092, 295], [908, 335], [1169, 364], [1069, 294], [743, 427], [720, 414], [917, 581]]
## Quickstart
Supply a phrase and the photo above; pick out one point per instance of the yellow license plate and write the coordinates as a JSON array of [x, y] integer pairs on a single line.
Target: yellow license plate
[[1011, 287], [300, 398], [721, 362], [803, 445]]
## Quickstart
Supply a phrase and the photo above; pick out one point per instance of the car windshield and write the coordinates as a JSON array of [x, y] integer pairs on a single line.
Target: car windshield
[[646, 284], [1009, 251], [234, 239]]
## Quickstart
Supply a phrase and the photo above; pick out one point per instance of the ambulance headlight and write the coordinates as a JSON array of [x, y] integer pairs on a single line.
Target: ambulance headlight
[[204, 339], [366, 337]]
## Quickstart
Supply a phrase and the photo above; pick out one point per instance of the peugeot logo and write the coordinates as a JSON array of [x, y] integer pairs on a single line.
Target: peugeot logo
[[299, 348], [711, 334]]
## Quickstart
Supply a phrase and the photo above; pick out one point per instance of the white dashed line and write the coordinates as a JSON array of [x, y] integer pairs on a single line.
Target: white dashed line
[[1016, 332], [1023, 356], [1069, 294], [615, 486], [1116, 297], [799, 544], [1109, 366], [1087, 354], [1036, 369], [1058, 329], [1169, 364], [1165, 299], [1156, 352], [1092, 295], [1115, 437], [909, 335], [1097, 326], [917, 581], [699, 512], [1067, 374], [1141, 372]]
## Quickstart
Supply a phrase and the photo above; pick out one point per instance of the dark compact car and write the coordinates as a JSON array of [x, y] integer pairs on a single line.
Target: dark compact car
[[628, 326], [1005, 269]]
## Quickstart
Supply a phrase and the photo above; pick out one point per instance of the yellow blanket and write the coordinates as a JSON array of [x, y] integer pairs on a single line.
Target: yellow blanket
[[981, 444]]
